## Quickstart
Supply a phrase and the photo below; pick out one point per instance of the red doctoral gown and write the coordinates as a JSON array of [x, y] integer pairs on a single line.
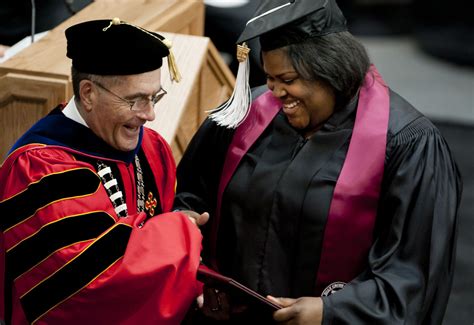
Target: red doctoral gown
[[65, 255]]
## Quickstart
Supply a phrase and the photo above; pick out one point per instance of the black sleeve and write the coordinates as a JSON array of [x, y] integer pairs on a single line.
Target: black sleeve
[[410, 270], [200, 168], [199, 171]]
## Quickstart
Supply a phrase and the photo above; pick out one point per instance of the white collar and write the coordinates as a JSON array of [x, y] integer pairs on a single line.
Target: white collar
[[71, 112]]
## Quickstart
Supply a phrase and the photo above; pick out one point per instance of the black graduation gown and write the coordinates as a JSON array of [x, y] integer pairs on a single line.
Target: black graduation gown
[[275, 209]]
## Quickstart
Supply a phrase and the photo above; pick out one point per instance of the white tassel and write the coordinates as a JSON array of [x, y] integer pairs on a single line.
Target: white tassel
[[234, 111]]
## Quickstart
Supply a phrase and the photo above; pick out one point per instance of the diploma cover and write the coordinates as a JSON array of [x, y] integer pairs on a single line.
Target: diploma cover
[[234, 288]]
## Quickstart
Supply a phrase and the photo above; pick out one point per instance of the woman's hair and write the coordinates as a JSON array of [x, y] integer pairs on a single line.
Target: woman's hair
[[337, 59]]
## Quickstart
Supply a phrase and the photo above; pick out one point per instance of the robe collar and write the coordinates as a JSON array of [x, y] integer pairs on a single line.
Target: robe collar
[[340, 117], [58, 130], [72, 112]]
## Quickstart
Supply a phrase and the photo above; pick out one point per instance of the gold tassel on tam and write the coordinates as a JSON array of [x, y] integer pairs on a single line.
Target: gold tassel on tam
[[234, 111], [175, 75], [172, 66]]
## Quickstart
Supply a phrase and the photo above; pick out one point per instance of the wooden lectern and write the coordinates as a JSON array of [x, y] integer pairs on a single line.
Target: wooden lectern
[[37, 79]]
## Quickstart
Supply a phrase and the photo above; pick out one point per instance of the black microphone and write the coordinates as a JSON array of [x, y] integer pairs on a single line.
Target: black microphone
[[33, 20]]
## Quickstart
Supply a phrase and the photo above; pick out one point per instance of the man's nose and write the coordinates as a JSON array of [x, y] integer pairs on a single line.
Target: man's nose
[[148, 114]]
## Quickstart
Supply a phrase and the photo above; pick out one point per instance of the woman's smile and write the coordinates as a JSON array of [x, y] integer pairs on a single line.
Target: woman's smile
[[306, 103], [290, 108]]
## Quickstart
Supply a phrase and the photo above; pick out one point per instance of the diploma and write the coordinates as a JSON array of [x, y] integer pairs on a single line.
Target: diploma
[[235, 289]]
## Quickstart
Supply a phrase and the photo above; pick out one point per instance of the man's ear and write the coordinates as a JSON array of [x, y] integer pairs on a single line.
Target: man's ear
[[87, 93]]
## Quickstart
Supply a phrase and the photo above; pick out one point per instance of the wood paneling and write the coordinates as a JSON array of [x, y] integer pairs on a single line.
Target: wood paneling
[[24, 100], [206, 83], [38, 78]]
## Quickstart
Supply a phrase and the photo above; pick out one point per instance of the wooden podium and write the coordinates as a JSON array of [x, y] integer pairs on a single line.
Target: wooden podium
[[37, 79]]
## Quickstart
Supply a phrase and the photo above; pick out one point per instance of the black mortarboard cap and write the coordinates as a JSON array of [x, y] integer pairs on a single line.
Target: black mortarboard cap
[[114, 47], [277, 23], [283, 22]]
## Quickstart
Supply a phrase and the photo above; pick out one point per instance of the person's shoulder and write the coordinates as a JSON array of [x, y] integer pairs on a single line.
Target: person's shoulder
[[153, 141], [39, 151], [31, 163], [406, 119], [152, 135], [409, 130]]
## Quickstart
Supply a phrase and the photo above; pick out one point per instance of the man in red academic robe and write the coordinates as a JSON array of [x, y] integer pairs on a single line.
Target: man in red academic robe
[[87, 236]]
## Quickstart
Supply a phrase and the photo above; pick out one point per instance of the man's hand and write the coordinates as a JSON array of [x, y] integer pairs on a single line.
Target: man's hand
[[196, 218], [305, 310]]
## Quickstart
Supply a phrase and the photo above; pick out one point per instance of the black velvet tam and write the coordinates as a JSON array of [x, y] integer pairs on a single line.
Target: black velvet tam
[[113, 47], [284, 22]]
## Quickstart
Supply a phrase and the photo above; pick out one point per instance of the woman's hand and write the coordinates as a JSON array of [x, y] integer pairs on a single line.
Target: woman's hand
[[196, 218], [305, 310]]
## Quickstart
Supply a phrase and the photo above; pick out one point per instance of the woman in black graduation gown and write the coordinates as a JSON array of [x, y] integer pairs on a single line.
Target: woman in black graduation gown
[[334, 193]]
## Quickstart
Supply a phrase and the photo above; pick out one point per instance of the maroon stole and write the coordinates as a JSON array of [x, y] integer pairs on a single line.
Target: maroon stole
[[348, 234]]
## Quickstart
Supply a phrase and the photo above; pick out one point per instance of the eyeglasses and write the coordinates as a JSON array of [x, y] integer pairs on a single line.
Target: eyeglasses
[[140, 104]]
